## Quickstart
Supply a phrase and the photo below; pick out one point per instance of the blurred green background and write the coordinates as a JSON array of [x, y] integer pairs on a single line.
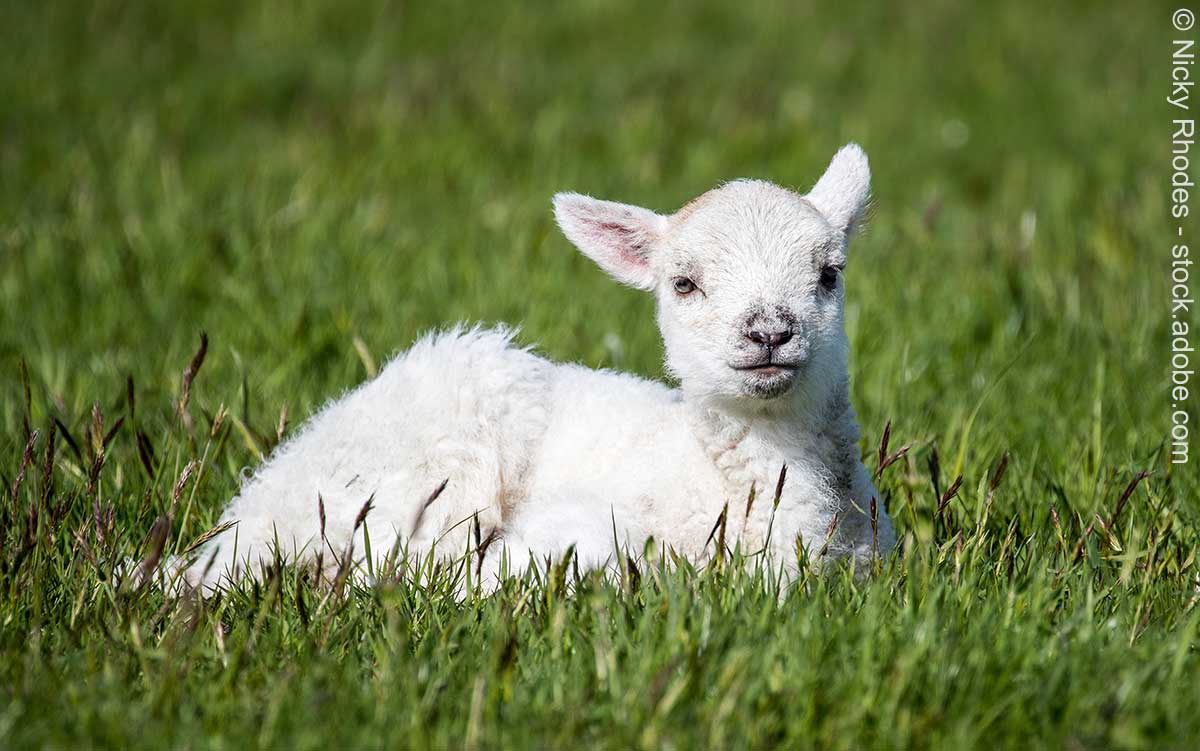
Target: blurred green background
[[314, 184], [287, 176]]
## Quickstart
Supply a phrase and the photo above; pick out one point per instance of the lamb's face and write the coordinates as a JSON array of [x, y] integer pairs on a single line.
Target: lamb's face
[[747, 277], [749, 292]]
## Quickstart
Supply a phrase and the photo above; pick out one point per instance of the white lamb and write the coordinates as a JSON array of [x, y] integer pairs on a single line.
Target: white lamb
[[545, 456]]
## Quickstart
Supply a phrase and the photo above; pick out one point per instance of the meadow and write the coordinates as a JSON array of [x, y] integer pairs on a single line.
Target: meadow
[[310, 185]]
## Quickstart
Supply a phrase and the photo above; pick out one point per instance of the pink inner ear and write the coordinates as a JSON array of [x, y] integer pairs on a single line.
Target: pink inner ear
[[628, 241]]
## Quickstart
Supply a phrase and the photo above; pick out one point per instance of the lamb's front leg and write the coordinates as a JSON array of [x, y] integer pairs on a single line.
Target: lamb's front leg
[[576, 521]]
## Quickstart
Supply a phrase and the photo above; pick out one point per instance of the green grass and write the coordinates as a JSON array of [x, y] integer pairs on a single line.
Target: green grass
[[314, 184]]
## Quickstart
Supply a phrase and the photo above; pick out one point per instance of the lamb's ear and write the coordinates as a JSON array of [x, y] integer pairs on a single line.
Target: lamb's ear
[[617, 236], [843, 191]]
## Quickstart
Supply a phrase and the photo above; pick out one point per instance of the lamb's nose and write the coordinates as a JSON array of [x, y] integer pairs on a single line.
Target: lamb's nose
[[769, 339]]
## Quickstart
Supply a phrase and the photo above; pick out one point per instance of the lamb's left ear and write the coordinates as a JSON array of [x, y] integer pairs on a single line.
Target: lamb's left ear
[[843, 191], [617, 236]]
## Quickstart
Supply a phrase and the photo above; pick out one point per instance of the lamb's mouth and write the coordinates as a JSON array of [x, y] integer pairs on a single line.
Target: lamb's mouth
[[768, 369], [767, 380]]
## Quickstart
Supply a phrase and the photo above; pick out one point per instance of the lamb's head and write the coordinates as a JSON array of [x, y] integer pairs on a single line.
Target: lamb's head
[[747, 278]]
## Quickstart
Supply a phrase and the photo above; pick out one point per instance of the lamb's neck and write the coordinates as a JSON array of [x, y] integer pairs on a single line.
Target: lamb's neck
[[797, 428]]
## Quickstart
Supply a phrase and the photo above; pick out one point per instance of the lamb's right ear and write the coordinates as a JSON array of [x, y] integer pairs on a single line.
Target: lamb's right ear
[[616, 236]]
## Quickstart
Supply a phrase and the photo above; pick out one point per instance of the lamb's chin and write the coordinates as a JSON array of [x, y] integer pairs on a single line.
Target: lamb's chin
[[769, 383]]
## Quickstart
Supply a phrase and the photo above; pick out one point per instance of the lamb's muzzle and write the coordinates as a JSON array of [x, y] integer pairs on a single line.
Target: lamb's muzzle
[[544, 456]]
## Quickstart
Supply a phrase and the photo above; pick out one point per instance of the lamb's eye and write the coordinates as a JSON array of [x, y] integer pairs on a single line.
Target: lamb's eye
[[684, 286], [829, 277]]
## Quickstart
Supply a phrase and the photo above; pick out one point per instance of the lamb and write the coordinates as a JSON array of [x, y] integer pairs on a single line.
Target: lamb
[[547, 457]]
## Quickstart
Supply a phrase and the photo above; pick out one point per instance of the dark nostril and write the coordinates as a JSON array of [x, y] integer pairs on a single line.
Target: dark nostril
[[769, 338]]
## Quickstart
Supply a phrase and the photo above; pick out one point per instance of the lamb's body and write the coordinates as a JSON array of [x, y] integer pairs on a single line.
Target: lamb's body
[[541, 456], [548, 456]]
